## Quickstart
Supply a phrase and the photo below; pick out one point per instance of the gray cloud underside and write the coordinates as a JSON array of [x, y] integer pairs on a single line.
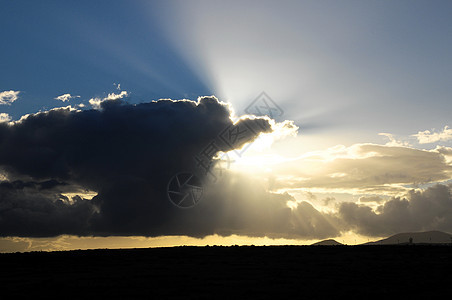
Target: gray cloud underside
[[430, 209]]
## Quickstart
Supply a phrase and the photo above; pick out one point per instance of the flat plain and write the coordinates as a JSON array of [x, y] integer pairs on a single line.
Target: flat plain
[[245, 272]]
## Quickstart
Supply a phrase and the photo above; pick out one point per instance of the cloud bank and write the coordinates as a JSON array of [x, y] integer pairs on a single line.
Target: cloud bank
[[105, 171]]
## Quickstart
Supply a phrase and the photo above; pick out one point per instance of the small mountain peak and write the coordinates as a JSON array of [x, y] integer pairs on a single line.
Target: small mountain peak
[[329, 242]]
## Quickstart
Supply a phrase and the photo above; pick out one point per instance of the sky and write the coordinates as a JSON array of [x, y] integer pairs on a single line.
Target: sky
[[162, 123]]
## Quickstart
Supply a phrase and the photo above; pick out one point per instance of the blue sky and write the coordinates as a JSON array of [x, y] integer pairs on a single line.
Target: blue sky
[[50, 48], [379, 65], [334, 65]]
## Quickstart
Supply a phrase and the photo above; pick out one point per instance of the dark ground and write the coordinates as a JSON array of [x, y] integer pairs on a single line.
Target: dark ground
[[230, 272]]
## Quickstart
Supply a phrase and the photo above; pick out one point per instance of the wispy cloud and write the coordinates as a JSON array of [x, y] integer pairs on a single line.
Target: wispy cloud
[[428, 137], [66, 97], [8, 97]]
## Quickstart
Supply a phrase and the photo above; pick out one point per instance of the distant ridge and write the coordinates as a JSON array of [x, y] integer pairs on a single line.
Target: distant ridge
[[427, 237], [329, 242]]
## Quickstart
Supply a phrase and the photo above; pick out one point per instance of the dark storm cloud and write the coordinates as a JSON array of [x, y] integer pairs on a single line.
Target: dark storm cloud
[[95, 146], [125, 153], [34, 209], [430, 209]]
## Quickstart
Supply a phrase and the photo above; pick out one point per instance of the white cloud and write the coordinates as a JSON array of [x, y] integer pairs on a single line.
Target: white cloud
[[393, 141], [96, 102], [114, 96], [4, 117], [66, 97], [428, 137], [364, 169], [8, 97]]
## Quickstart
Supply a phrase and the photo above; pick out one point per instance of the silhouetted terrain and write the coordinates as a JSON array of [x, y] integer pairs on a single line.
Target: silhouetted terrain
[[427, 237], [329, 242], [227, 272]]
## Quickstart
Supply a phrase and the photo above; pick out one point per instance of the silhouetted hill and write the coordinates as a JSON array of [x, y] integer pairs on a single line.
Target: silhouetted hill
[[329, 242], [427, 237]]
